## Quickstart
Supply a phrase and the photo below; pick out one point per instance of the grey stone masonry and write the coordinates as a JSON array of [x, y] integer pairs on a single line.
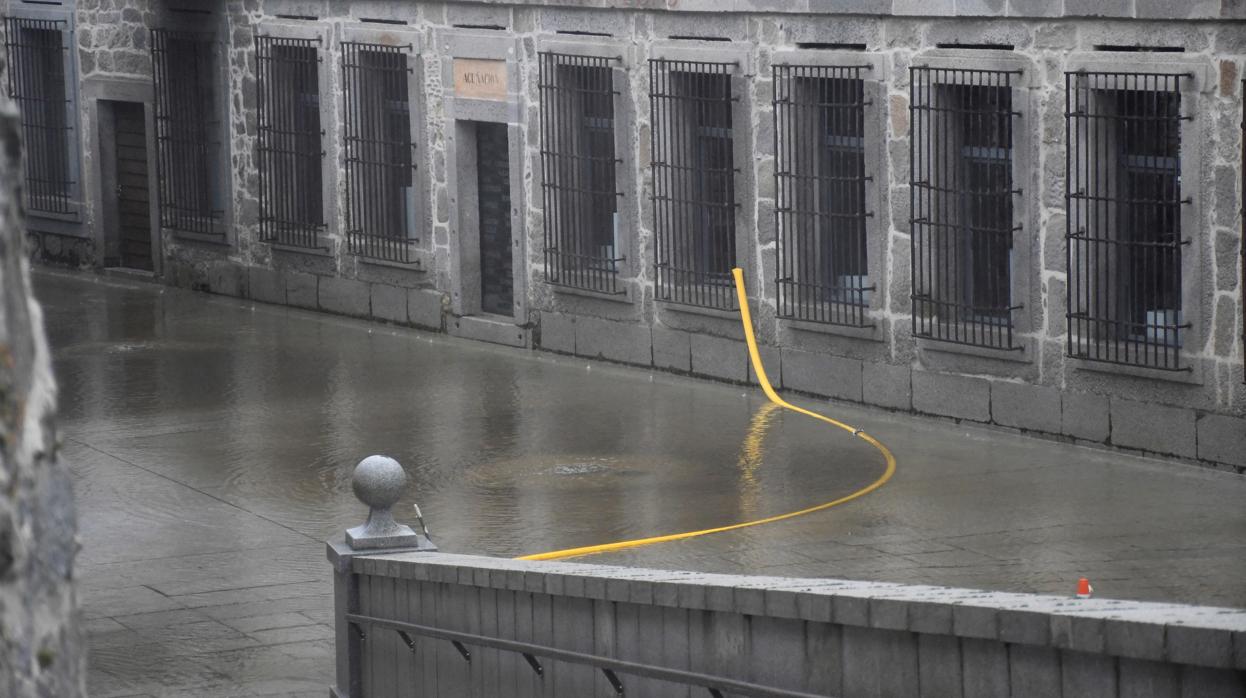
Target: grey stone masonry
[[1085, 416], [719, 358], [1153, 428], [1030, 407], [1029, 9], [822, 374], [955, 396], [344, 296], [389, 303], [42, 652], [1038, 388], [1222, 439], [614, 341], [816, 636]]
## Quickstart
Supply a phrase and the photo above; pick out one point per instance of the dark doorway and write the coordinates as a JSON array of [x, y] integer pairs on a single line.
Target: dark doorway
[[493, 188], [127, 201]]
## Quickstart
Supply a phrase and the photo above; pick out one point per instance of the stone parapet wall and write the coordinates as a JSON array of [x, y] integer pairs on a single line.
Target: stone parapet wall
[[812, 636]]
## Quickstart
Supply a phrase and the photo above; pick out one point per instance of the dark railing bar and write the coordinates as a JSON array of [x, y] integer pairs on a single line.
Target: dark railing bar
[[614, 680], [648, 671], [407, 639]]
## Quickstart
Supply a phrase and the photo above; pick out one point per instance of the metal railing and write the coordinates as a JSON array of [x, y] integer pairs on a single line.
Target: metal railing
[[694, 199], [962, 193], [820, 207], [37, 51], [532, 653], [1124, 237], [290, 150], [578, 162], [186, 85], [380, 182]]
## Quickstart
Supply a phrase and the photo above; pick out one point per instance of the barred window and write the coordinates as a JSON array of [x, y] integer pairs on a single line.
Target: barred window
[[1124, 218], [693, 167], [37, 50], [380, 182], [962, 198], [188, 131], [820, 188], [290, 150], [582, 247]]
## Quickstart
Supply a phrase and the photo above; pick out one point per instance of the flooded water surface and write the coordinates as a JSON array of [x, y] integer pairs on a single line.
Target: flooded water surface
[[212, 443], [508, 452]]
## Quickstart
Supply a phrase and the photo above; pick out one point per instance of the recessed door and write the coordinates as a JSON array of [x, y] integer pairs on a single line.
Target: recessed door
[[493, 187], [131, 226]]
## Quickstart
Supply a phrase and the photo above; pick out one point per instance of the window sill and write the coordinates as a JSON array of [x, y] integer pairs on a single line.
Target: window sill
[[1022, 353], [218, 239], [623, 298], [74, 216], [872, 333], [698, 310], [1191, 376], [320, 250], [417, 265]]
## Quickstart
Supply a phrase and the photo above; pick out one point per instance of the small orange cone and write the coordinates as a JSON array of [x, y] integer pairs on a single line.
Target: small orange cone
[[1084, 590]]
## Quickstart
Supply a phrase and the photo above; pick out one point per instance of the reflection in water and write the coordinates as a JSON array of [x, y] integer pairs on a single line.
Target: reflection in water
[[508, 451], [751, 458]]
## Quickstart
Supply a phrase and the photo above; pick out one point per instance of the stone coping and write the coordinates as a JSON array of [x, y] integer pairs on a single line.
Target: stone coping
[[1196, 635], [1027, 9]]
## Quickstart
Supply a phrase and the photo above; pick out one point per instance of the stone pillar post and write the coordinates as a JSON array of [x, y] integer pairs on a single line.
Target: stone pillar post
[[378, 482]]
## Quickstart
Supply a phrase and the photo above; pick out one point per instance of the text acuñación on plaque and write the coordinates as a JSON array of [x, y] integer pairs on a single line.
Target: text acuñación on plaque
[[479, 78]]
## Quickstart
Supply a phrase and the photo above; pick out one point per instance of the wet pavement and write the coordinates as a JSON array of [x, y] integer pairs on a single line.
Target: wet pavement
[[212, 442]]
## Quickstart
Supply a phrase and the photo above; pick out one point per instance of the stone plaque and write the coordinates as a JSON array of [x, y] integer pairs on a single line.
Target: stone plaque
[[479, 78]]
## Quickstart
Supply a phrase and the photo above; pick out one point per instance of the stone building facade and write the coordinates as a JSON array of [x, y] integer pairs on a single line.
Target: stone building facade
[[1015, 212]]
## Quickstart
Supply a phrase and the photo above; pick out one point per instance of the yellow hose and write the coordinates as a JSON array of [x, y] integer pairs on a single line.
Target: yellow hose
[[747, 321]]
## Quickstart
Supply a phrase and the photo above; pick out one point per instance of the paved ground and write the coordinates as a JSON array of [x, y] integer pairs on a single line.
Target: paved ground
[[212, 443]]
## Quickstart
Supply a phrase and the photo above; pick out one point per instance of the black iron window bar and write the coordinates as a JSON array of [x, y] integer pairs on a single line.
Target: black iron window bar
[[693, 168], [188, 131], [290, 149], [716, 686], [37, 51], [380, 163], [578, 168], [1124, 238], [962, 199], [820, 208], [1242, 284]]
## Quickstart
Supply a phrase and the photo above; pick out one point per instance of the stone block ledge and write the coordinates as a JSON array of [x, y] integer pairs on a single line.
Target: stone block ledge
[[1028, 9], [1192, 635]]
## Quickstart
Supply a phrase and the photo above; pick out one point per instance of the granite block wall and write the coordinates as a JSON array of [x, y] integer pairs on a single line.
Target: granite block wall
[[1200, 414]]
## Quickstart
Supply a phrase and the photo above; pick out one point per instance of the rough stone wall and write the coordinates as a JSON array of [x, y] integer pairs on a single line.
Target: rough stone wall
[[41, 648], [114, 38], [1201, 417]]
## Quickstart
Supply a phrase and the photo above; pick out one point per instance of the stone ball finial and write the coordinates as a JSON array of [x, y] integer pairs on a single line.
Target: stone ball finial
[[379, 482]]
